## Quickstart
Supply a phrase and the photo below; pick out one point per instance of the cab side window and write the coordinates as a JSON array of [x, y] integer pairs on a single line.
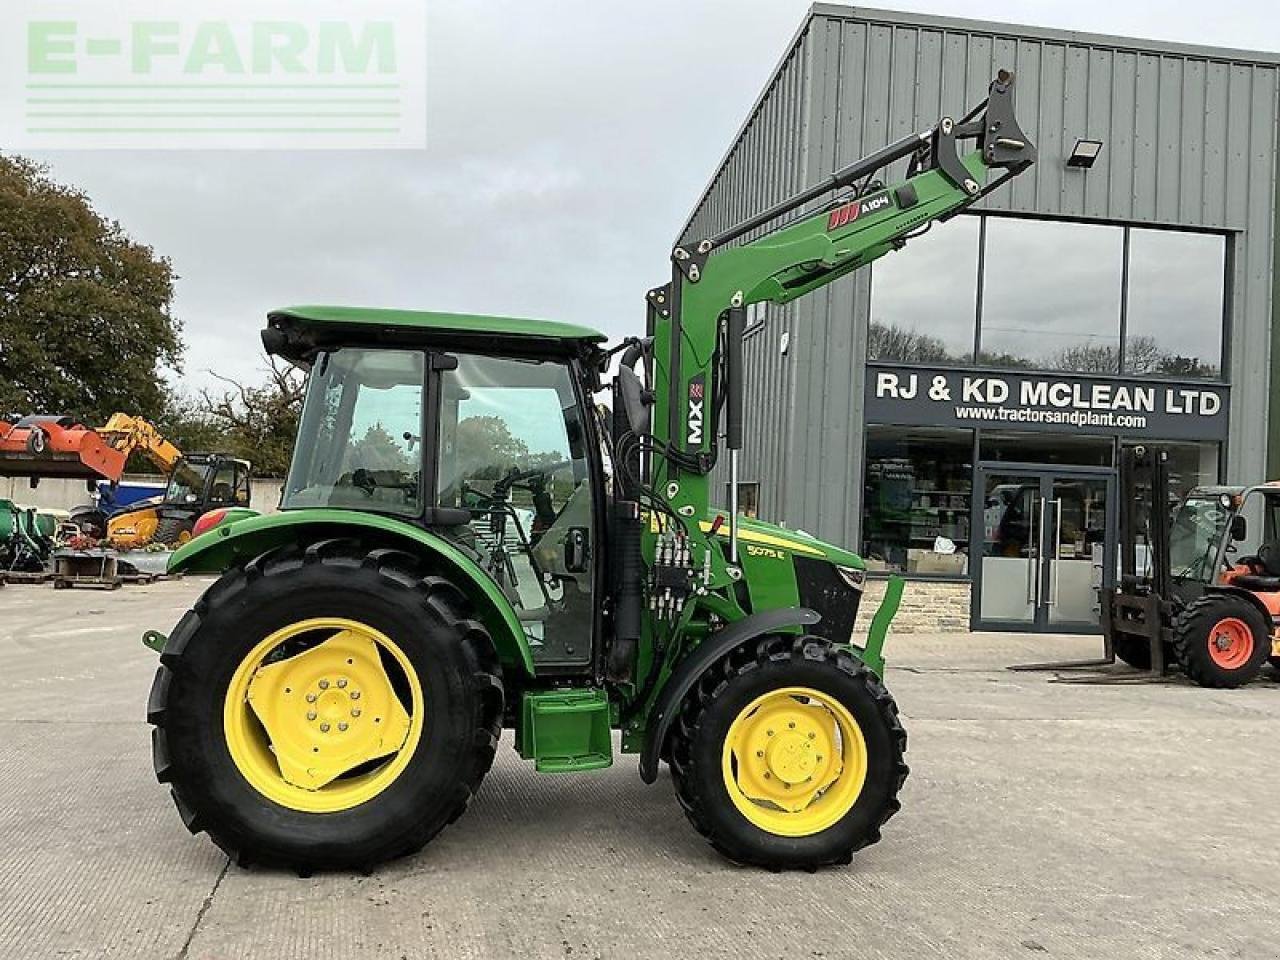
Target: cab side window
[[513, 453]]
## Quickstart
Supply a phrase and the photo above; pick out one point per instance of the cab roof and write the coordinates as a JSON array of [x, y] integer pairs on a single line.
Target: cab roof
[[459, 323]]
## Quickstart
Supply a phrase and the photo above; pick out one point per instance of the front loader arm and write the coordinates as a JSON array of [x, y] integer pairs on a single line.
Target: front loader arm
[[693, 316]]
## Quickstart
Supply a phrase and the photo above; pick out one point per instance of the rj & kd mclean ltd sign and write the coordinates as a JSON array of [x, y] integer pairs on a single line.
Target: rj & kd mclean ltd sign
[[1060, 403]]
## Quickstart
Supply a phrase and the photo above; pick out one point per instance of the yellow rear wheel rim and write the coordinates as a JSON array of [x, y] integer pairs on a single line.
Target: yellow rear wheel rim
[[794, 761], [317, 725]]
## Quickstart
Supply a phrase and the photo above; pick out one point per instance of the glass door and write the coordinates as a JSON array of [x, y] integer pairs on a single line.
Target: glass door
[[1010, 575], [1043, 539], [1076, 523]]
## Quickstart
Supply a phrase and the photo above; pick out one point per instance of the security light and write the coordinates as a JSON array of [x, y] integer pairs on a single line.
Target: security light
[[1084, 153]]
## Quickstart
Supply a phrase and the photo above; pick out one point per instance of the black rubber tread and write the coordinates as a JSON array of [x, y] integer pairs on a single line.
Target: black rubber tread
[[1275, 666], [772, 662], [1191, 640], [212, 796], [169, 529]]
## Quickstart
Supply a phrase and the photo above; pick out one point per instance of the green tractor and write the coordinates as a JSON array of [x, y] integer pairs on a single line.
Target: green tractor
[[468, 543]]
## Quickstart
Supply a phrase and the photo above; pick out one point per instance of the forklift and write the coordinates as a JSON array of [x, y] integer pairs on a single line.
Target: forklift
[[468, 543], [1199, 583]]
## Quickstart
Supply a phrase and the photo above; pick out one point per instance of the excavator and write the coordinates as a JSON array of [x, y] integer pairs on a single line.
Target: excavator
[[58, 446], [336, 696]]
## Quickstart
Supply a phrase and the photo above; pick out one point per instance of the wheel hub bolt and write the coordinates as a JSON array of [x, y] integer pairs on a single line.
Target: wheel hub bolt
[[769, 732], [324, 728], [342, 726], [759, 753], [355, 694], [355, 712], [767, 775], [791, 725], [324, 684], [311, 698], [342, 683], [812, 736], [311, 714]]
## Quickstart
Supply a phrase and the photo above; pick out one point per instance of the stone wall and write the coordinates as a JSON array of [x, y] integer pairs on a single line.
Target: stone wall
[[928, 606]]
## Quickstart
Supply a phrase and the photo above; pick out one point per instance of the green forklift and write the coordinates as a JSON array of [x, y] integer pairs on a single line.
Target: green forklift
[[469, 543]]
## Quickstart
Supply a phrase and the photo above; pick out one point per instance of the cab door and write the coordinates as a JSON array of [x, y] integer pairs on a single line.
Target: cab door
[[514, 449]]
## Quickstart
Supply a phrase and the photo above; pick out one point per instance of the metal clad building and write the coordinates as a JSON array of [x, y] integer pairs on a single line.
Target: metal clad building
[[1188, 140]]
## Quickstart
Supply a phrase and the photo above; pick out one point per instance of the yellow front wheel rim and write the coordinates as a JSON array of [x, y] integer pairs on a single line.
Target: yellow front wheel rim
[[794, 761], [314, 720]]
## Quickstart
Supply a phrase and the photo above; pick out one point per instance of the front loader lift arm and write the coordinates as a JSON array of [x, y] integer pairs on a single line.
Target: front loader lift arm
[[702, 308]]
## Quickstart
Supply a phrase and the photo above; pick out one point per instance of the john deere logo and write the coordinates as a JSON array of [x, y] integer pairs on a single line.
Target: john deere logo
[[841, 216]]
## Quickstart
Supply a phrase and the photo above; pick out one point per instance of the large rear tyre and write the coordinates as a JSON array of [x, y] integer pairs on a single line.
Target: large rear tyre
[[325, 709], [789, 755], [1221, 641]]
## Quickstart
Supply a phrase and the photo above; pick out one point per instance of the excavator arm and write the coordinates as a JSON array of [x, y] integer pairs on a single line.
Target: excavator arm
[[128, 435], [697, 320]]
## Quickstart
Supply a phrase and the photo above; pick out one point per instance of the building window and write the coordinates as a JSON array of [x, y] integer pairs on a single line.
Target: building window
[[917, 487], [1175, 309], [924, 298], [1051, 295], [1191, 465]]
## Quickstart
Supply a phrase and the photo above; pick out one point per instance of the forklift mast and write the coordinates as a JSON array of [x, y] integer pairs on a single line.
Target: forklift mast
[[1144, 479], [697, 319]]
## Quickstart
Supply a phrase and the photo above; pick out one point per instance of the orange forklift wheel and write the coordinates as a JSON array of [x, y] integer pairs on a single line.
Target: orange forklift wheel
[[1221, 640]]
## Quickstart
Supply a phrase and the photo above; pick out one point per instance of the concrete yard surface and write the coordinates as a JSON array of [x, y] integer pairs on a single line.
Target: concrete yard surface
[[1040, 819]]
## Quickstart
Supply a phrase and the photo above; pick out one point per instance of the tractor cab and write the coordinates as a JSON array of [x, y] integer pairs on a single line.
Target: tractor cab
[[198, 483], [489, 442], [1228, 536]]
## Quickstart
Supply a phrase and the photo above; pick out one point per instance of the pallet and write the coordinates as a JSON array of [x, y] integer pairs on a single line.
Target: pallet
[[96, 569], [13, 576], [94, 583]]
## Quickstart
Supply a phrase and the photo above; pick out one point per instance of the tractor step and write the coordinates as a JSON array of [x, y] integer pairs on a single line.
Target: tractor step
[[564, 731]]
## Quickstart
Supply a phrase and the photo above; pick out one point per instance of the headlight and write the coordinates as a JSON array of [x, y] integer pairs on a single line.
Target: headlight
[[852, 576]]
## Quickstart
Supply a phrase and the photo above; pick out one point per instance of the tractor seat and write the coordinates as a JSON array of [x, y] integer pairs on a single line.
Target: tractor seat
[[1260, 582]]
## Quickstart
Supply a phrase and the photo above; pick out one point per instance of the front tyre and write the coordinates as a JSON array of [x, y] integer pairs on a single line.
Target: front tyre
[[325, 709], [789, 755], [1221, 641]]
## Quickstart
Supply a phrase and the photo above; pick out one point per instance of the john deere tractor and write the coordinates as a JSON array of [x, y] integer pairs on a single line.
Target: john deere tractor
[[468, 543]]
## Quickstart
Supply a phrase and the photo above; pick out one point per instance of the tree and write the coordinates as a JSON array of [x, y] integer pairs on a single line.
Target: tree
[[85, 312], [487, 449], [379, 450], [258, 423], [1086, 358], [885, 341]]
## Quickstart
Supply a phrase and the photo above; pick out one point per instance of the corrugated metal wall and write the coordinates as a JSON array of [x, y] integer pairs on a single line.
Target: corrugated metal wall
[[1190, 140]]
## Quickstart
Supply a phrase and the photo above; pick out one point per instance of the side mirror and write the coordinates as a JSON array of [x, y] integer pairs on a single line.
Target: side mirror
[[1239, 528]]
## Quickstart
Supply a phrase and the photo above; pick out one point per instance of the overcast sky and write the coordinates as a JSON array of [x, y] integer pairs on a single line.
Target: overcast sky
[[567, 142]]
